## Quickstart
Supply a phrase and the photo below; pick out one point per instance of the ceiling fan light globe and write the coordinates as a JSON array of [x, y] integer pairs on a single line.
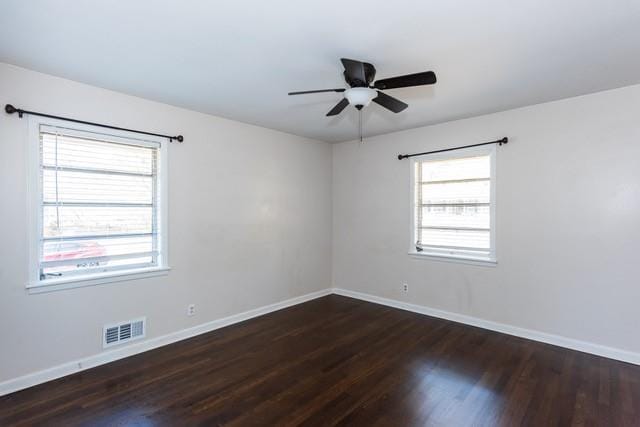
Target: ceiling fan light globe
[[360, 95]]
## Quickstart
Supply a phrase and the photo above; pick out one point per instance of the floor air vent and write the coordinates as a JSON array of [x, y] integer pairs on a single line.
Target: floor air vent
[[123, 332]]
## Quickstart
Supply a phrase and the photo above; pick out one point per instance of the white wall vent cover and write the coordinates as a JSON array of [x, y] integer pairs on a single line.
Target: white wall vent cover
[[123, 332]]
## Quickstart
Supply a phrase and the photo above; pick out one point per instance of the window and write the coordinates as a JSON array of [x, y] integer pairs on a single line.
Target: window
[[100, 203], [453, 205]]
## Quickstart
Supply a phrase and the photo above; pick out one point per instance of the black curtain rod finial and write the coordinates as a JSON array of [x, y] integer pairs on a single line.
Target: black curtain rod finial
[[10, 109]]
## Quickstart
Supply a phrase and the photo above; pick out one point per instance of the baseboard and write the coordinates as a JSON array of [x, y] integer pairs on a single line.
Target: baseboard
[[583, 346], [59, 371]]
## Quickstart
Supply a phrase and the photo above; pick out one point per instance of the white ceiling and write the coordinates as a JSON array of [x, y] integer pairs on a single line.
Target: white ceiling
[[239, 59]]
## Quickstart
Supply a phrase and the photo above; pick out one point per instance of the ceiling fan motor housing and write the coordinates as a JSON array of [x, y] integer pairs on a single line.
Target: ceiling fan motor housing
[[369, 74]]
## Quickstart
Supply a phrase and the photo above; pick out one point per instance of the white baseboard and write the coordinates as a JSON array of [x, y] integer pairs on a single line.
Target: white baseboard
[[55, 372], [560, 341]]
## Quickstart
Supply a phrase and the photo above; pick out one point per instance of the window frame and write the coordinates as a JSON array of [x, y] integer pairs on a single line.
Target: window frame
[[455, 255], [35, 207]]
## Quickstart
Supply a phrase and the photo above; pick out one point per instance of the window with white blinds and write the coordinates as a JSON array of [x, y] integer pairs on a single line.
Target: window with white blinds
[[98, 204], [454, 205]]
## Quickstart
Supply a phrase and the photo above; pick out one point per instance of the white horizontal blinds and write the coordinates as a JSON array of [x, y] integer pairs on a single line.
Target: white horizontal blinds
[[99, 203], [453, 204]]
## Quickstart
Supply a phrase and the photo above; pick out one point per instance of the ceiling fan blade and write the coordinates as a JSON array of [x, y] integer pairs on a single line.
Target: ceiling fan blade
[[354, 70], [418, 79], [316, 91], [389, 102], [338, 108]]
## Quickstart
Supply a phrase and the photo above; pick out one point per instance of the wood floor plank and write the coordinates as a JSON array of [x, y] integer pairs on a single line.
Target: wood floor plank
[[337, 361]]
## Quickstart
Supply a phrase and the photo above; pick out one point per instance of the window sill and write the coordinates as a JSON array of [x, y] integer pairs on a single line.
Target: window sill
[[51, 285], [461, 259]]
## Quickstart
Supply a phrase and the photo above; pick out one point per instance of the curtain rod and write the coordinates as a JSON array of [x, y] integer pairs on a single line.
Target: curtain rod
[[10, 109], [497, 141]]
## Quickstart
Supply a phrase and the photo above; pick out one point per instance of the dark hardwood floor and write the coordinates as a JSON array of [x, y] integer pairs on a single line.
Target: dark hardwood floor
[[340, 361]]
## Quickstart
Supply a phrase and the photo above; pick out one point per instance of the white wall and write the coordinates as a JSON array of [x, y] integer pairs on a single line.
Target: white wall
[[568, 220], [249, 224]]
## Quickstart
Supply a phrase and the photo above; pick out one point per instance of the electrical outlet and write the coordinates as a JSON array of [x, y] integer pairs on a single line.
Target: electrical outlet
[[405, 287], [191, 309]]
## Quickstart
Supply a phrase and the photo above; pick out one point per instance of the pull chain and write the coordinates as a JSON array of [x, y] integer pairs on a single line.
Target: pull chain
[[360, 124]]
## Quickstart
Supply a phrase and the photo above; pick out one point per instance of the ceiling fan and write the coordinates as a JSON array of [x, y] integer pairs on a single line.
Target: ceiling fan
[[359, 76]]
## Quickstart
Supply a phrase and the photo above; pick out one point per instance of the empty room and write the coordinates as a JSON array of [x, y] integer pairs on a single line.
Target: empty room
[[279, 213]]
